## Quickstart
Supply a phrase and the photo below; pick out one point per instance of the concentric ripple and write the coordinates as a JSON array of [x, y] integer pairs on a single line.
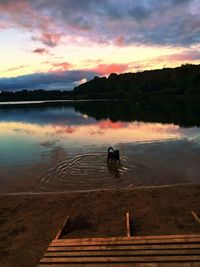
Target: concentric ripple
[[87, 171]]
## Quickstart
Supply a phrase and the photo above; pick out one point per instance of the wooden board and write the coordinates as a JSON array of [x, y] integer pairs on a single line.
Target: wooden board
[[123, 247], [141, 251]]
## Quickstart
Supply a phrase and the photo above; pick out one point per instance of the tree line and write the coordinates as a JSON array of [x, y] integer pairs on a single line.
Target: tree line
[[179, 81], [183, 80]]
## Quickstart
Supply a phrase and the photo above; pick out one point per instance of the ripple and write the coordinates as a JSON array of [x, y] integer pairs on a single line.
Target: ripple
[[86, 170]]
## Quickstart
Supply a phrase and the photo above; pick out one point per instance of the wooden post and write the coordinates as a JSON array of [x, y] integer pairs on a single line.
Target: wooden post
[[60, 231], [196, 217], [128, 232]]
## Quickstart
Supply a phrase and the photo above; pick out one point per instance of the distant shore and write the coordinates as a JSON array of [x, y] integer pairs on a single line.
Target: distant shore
[[28, 222], [38, 103]]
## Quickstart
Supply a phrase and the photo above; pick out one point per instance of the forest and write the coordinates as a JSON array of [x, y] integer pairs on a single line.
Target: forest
[[183, 80]]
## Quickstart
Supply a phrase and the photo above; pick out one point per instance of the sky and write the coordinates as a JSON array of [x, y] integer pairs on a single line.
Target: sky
[[60, 44]]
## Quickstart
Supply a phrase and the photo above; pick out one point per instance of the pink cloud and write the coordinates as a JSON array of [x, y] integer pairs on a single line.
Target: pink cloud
[[21, 14], [176, 58], [49, 39], [183, 56], [59, 68], [120, 41], [62, 66], [104, 69]]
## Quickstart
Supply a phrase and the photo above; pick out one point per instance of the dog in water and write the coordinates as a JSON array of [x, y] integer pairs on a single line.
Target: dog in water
[[113, 155]]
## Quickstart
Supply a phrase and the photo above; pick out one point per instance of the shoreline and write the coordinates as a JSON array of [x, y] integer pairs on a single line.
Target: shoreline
[[29, 222], [97, 190]]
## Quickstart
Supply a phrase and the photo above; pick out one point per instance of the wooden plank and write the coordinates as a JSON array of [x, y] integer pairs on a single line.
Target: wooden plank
[[196, 217], [110, 242], [182, 264], [128, 231], [122, 259], [123, 247], [135, 238], [142, 237], [123, 253]]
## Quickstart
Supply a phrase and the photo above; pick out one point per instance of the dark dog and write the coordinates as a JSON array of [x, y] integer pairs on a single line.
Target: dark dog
[[113, 155]]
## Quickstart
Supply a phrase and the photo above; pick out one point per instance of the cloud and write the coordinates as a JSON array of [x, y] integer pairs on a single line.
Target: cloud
[[40, 51], [20, 14], [48, 39], [187, 55], [63, 80], [59, 76], [119, 41], [176, 59], [105, 69], [16, 68], [171, 22], [62, 66]]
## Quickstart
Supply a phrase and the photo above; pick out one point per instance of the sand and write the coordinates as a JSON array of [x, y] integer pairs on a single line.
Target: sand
[[28, 222]]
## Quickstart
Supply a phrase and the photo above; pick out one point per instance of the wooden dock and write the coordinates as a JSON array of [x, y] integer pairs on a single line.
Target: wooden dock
[[141, 251]]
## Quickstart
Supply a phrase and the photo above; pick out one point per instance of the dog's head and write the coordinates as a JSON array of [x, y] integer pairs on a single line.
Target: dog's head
[[110, 149]]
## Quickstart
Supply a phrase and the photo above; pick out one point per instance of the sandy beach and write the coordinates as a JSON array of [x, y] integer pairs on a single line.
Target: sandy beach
[[28, 222]]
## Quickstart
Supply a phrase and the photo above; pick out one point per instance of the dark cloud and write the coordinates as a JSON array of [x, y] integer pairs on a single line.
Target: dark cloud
[[40, 51], [169, 22], [65, 80]]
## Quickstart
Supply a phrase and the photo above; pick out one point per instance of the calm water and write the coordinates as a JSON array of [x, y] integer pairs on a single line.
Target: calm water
[[63, 146]]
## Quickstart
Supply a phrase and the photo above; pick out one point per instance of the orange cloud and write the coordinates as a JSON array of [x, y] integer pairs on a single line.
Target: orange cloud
[[104, 69]]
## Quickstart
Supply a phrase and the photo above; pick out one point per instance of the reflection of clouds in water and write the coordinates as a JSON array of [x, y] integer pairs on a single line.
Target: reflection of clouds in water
[[96, 132], [138, 130], [107, 124], [100, 131], [62, 129], [22, 130], [49, 143], [104, 125], [155, 127]]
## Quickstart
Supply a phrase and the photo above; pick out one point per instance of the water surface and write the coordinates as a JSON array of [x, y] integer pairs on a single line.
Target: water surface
[[63, 146]]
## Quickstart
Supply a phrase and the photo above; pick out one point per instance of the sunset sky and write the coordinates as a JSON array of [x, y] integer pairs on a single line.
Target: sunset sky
[[60, 44]]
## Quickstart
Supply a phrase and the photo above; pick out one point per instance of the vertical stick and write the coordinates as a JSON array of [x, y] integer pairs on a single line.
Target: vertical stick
[[196, 217], [128, 232], [60, 231]]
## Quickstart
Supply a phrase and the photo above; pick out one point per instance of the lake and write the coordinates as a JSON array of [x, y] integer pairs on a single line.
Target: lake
[[62, 146]]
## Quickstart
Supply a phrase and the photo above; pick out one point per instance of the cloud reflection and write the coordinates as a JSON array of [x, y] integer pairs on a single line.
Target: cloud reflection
[[101, 132]]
